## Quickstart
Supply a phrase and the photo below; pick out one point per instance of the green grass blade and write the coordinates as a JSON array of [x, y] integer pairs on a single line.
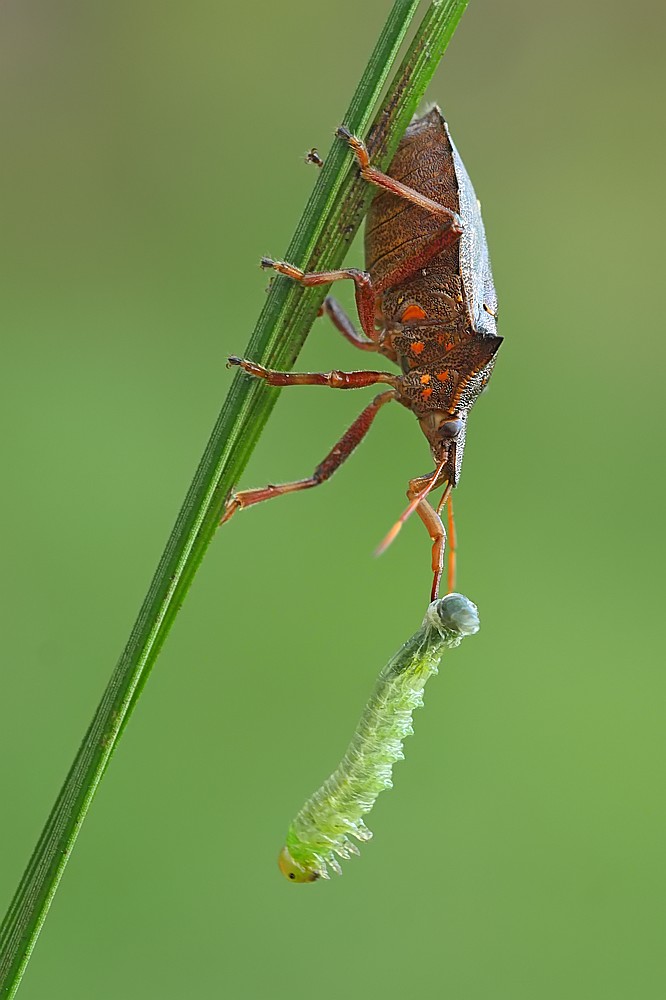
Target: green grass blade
[[332, 216]]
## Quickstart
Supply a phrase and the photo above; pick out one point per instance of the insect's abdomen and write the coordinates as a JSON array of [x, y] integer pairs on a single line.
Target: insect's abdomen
[[396, 229]]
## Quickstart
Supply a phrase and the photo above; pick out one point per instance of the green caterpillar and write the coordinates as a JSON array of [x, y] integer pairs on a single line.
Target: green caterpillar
[[323, 827]]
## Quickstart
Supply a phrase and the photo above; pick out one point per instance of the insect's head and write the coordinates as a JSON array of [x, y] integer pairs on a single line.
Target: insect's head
[[294, 871], [446, 435]]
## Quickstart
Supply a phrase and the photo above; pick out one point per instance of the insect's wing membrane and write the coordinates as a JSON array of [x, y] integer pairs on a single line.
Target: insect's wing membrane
[[475, 268]]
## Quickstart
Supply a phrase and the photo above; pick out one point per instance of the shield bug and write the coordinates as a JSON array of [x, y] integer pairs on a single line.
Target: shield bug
[[426, 302]]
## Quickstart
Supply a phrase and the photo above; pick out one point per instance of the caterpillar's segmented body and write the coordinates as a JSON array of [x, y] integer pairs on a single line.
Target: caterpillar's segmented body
[[321, 832]]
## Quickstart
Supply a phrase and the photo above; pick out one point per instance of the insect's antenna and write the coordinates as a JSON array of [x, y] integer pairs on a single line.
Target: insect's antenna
[[430, 485]]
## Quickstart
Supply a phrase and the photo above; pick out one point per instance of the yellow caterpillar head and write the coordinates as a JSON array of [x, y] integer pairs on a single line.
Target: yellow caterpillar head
[[294, 871]]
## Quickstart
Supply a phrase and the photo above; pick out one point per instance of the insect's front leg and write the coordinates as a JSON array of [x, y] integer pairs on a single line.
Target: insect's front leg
[[337, 455], [435, 528], [364, 290], [417, 492], [437, 532], [452, 542]]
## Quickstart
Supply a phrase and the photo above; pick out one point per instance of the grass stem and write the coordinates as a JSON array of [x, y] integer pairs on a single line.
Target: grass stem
[[331, 217]]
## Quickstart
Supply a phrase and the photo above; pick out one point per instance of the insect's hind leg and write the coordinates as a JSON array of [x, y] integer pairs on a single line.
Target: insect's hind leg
[[450, 219], [338, 454]]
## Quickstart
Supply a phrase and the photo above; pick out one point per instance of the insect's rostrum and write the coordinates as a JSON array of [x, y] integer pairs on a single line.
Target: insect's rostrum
[[321, 832]]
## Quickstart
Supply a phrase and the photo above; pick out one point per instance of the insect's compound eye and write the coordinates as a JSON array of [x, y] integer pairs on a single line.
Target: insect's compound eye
[[451, 428]]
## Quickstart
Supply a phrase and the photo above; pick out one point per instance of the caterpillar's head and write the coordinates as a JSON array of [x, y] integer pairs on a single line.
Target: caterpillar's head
[[294, 871]]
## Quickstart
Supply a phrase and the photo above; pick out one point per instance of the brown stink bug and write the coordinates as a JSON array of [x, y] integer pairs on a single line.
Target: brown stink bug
[[427, 302]]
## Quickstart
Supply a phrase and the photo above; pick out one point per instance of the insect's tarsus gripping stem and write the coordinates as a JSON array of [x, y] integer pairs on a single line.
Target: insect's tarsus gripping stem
[[357, 146]]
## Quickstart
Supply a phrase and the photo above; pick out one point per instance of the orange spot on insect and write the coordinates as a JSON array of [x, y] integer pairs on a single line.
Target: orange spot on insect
[[412, 312], [425, 379], [418, 347], [426, 393], [442, 376]]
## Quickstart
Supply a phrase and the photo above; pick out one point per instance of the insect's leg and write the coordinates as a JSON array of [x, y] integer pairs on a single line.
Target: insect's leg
[[364, 290], [450, 219], [452, 547], [437, 532], [338, 454], [447, 499], [334, 379], [435, 528], [342, 322]]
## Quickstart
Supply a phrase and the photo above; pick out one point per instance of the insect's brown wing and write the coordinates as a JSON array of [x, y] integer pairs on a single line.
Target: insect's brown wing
[[396, 229]]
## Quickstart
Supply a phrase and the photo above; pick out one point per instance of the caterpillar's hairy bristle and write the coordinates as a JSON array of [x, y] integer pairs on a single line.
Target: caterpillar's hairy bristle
[[342, 849], [334, 863], [322, 831]]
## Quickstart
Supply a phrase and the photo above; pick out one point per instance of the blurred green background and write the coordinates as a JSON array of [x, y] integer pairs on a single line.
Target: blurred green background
[[152, 152]]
